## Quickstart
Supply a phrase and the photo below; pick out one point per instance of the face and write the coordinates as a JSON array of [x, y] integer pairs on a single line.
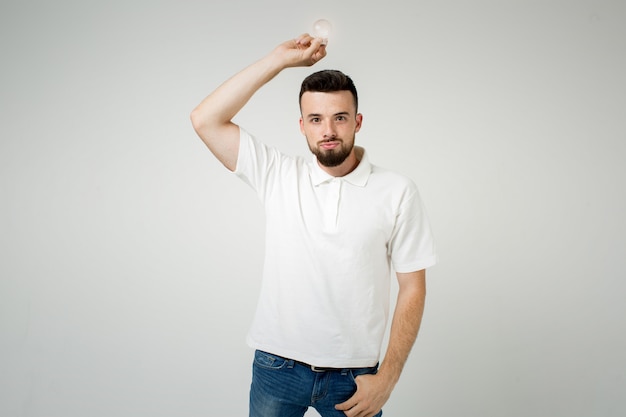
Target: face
[[329, 121]]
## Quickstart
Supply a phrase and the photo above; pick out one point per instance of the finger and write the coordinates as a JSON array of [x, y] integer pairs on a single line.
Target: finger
[[320, 54], [346, 405], [304, 39], [316, 47]]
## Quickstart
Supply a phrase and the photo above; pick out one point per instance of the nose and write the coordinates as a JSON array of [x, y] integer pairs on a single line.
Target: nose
[[329, 130]]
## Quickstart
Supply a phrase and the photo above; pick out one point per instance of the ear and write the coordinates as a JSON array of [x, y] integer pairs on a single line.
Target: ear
[[301, 125], [359, 122]]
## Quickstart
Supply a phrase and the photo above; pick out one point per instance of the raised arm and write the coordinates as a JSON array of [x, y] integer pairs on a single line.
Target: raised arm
[[212, 118]]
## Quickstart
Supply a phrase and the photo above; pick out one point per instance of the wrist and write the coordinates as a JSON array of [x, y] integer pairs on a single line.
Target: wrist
[[388, 374], [274, 62]]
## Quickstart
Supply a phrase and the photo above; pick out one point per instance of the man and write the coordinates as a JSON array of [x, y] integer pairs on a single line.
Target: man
[[335, 226]]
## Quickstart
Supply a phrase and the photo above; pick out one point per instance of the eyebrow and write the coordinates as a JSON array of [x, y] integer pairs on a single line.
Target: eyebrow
[[341, 113]]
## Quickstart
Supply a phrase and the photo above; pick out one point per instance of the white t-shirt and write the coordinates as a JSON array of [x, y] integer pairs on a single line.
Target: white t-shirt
[[330, 245]]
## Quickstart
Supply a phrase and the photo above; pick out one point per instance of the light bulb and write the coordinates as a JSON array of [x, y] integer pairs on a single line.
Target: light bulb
[[321, 29]]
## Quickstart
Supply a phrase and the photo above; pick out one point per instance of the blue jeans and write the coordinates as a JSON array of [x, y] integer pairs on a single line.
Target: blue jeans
[[285, 388]]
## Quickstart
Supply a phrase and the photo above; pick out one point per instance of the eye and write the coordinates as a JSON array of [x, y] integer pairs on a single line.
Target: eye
[[341, 118], [314, 120]]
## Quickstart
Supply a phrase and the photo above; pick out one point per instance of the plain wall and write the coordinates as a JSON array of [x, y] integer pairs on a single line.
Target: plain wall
[[130, 258]]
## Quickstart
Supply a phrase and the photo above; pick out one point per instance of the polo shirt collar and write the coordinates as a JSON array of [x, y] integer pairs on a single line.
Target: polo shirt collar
[[357, 177]]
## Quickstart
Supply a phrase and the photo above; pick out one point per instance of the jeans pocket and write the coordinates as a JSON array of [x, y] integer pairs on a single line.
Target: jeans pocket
[[354, 373], [268, 361]]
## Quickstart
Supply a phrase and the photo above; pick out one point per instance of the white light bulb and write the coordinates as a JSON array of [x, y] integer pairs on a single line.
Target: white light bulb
[[321, 29]]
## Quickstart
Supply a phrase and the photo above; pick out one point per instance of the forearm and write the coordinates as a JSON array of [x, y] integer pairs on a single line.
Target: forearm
[[405, 324], [373, 391]]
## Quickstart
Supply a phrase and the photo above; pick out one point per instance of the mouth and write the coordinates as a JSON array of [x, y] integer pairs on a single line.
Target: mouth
[[330, 144]]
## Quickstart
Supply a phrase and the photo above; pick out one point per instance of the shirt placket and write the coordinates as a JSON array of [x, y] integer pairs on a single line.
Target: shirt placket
[[331, 208]]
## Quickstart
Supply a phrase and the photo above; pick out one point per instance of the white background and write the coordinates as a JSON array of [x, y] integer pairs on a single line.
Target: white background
[[130, 258]]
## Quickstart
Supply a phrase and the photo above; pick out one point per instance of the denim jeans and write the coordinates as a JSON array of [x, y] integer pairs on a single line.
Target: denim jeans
[[284, 388]]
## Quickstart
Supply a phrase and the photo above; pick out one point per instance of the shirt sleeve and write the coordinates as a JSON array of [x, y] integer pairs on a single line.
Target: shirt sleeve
[[254, 163], [412, 246]]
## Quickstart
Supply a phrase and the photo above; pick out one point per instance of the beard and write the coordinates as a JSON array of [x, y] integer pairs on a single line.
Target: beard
[[332, 157]]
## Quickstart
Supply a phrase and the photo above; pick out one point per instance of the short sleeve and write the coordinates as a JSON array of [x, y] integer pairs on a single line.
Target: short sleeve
[[255, 161], [412, 245]]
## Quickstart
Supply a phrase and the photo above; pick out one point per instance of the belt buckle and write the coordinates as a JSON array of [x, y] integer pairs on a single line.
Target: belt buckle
[[317, 369]]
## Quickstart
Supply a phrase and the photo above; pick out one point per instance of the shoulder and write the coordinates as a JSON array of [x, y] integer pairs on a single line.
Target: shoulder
[[392, 180], [256, 154]]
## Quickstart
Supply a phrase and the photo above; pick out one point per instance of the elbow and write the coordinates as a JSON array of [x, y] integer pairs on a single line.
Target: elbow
[[205, 125], [197, 121]]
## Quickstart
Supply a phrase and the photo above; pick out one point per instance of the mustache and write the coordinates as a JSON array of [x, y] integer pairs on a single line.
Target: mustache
[[330, 140]]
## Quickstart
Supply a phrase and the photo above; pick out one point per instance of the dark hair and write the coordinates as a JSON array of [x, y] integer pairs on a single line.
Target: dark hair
[[327, 81]]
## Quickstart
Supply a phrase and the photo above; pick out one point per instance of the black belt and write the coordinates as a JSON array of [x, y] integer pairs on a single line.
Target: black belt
[[319, 368]]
